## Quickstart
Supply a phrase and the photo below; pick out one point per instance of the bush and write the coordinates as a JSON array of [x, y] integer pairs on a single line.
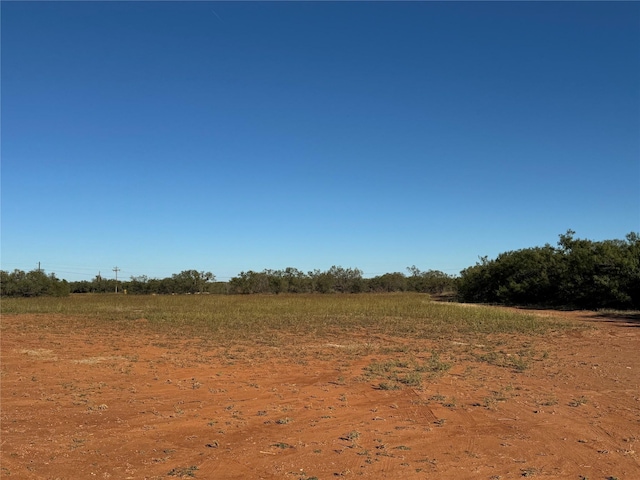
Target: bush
[[578, 273], [32, 284]]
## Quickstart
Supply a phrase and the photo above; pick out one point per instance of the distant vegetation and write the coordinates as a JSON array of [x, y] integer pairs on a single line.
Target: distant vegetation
[[32, 284], [289, 280], [340, 280], [576, 274]]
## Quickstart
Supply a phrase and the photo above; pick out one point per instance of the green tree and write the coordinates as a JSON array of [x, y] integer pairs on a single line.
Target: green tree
[[139, 285], [346, 280], [578, 273], [431, 281], [388, 282], [33, 284], [295, 280], [250, 282], [192, 281]]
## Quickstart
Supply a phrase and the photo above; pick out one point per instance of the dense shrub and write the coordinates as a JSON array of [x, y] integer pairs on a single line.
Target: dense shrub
[[32, 284], [577, 273]]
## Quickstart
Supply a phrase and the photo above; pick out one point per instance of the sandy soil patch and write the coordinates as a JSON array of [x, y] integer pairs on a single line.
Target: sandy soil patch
[[103, 402]]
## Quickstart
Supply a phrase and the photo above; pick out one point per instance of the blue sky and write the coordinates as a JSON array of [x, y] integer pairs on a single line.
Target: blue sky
[[228, 136]]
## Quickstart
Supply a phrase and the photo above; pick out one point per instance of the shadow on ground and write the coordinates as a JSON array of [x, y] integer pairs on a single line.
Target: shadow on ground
[[629, 319]]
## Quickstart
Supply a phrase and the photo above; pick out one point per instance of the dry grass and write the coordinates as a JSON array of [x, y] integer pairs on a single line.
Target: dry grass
[[261, 318]]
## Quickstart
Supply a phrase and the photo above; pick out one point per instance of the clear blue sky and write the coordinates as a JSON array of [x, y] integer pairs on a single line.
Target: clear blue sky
[[228, 136]]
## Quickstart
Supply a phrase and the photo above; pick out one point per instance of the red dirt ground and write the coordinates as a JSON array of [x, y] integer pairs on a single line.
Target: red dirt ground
[[84, 400]]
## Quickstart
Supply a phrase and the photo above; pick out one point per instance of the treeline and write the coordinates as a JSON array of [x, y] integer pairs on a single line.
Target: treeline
[[32, 284], [339, 280], [185, 282], [577, 273], [290, 280]]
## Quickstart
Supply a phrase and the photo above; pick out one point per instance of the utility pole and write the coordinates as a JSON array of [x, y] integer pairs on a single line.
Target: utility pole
[[116, 269]]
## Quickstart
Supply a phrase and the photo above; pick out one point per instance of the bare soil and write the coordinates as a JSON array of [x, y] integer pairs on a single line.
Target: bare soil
[[83, 399]]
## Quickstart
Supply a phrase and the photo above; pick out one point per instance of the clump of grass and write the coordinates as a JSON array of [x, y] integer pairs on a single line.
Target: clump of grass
[[518, 361], [530, 472], [183, 472], [548, 402], [282, 445], [491, 401], [435, 365], [576, 402], [352, 436], [404, 373], [410, 379], [388, 386]]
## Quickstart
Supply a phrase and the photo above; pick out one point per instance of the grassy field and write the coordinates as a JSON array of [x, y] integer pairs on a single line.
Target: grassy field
[[256, 316], [313, 386]]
